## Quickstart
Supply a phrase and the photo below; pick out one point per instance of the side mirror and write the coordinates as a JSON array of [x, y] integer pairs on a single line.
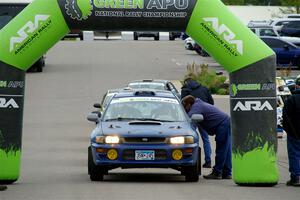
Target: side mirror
[[97, 105], [197, 118], [286, 47], [94, 117]]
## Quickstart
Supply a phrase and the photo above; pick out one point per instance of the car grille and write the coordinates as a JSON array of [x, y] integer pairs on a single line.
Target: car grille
[[145, 140], [129, 154]]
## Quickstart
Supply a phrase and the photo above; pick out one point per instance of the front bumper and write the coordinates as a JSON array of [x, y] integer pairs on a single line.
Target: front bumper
[[163, 157]]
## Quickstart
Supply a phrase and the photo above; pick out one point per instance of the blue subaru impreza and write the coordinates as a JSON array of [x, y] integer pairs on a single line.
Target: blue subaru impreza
[[144, 129]]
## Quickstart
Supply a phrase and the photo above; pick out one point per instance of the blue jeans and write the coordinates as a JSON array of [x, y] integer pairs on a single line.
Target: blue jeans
[[206, 145], [223, 161], [293, 147]]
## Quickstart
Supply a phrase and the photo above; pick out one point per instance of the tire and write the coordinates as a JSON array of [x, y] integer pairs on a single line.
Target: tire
[[156, 38], [171, 37], [135, 36], [192, 172], [95, 172], [81, 36]]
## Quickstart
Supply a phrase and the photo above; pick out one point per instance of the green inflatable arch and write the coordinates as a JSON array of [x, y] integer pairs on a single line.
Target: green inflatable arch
[[250, 62]]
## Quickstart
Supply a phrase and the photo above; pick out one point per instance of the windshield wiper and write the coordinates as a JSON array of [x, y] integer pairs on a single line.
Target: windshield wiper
[[151, 119]]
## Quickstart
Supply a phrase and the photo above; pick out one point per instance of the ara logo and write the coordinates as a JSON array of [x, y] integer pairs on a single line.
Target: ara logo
[[27, 29], [8, 104], [253, 106], [227, 34]]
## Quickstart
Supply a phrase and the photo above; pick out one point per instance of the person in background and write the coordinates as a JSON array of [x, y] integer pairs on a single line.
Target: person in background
[[291, 124], [191, 87], [215, 123]]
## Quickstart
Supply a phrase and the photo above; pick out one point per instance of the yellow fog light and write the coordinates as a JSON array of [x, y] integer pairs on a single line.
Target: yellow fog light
[[112, 154], [177, 154]]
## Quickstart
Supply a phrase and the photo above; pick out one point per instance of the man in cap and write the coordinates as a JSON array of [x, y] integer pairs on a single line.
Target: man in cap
[[215, 123], [192, 87]]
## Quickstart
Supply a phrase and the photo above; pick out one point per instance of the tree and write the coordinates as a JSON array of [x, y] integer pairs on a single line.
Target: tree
[[294, 3]]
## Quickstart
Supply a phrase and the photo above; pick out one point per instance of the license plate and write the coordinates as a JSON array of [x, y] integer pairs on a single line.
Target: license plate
[[144, 155]]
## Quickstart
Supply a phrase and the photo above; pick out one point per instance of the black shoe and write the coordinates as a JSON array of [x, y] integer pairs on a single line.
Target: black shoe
[[207, 165], [3, 187], [294, 182], [213, 175], [228, 177]]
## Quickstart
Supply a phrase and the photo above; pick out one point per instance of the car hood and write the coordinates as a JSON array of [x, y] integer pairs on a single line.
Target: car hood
[[153, 129]]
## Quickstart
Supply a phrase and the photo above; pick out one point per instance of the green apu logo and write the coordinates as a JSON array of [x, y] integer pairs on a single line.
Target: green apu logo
[[235, 88], [79, 9], [140, 4]]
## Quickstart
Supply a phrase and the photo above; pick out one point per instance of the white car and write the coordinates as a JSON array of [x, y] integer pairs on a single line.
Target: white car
[[189, 44], [270, 31], [279, 22]]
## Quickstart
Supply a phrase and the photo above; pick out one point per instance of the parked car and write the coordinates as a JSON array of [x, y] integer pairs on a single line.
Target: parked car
[[136, 35], [73, 34], [154, 84], [191, 45], [258, 23], [279, 22], [174, 35], [8, 10], [287, 53], [270, 31], [106, 34], [292, 16], [291, 29], [144, 129]]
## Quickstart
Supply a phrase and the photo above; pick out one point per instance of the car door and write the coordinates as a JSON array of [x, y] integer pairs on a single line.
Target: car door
[[284, 51]]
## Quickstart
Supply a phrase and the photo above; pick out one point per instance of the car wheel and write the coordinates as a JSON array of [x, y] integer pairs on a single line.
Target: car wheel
[[156, 37], [171, 37], [95, 171], [192, 172], [135, 36]]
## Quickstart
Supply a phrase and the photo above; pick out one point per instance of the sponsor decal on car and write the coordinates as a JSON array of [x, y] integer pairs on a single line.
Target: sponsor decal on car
[[144, 99]]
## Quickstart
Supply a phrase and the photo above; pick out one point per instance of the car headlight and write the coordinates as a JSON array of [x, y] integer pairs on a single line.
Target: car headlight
[[112, 139], [182, 140]]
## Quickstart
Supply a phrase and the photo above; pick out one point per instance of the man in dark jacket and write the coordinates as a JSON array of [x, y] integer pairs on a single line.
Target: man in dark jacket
[[215, 123], [193, 88], [291, 124]]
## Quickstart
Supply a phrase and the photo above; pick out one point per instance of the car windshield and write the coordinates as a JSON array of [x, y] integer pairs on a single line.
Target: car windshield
[[107, 99], [144, 109], [147, 85], [267, 32]]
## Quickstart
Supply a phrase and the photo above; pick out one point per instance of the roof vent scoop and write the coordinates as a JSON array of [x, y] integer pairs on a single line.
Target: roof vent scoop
[[144, 93]]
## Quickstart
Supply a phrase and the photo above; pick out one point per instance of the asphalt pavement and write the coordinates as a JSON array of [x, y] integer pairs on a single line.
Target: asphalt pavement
[[56, 132]]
